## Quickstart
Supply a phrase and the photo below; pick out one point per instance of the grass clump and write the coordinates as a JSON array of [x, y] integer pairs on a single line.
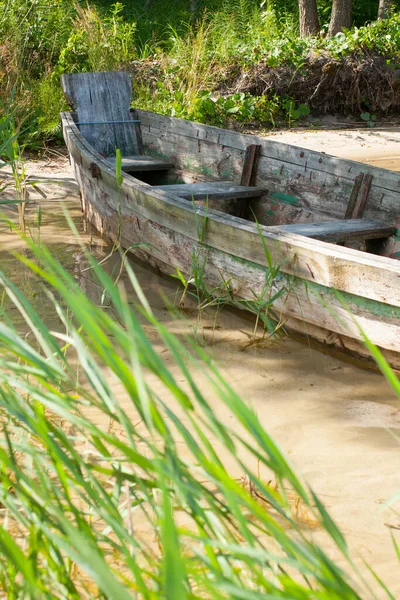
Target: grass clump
[[97, 43], [123, 490], [41, 40]]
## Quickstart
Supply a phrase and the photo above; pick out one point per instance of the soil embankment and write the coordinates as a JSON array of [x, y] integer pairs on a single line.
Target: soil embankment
[[348, 85]]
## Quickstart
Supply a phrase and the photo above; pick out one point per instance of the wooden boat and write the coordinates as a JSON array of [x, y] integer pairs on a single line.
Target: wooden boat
[[329, 223]]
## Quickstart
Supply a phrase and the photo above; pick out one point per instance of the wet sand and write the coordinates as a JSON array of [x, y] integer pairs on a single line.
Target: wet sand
[[333, 420]]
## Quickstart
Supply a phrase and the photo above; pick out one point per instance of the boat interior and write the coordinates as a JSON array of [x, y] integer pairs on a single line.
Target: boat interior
[[282, 187]]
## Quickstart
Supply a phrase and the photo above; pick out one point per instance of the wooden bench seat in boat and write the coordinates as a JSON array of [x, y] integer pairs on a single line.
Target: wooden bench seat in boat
[[339, 231], [140, 162], [213, 190], [101, 103]]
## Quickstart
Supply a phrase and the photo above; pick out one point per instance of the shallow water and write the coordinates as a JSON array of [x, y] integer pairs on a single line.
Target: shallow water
[[333, 419]]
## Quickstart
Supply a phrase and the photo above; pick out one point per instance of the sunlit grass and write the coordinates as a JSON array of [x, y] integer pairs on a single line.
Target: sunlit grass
[[114, 478]]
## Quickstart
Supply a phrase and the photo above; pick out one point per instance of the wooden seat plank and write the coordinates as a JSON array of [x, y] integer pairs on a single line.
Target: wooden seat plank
[[213, 190], [339, 231], [139, 162]]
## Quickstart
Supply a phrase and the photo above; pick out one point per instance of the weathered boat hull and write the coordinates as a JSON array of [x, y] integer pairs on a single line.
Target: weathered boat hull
[[332, 291]]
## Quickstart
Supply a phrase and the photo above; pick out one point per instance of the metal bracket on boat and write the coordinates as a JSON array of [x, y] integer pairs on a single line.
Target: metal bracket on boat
[[105, 122]]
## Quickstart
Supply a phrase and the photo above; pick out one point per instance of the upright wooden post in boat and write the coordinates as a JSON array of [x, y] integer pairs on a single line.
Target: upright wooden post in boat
[[249, 172], [358, 200], [250, 164], [353, 197], [362, 197], [359, 196]]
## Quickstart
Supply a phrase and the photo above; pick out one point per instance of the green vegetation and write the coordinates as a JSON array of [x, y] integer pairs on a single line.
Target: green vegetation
[[262, 303], [124, 494], [123, 491], [231, 61], [12, 154]]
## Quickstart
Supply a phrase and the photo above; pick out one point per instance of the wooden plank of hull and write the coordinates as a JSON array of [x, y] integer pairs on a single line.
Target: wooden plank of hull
[[303, 307], [234, 248]]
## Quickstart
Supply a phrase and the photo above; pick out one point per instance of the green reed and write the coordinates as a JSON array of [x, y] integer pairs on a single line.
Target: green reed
[[114, 479]]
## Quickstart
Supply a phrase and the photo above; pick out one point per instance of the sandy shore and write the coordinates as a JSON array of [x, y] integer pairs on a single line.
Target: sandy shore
[[373, 146], [332, 419]]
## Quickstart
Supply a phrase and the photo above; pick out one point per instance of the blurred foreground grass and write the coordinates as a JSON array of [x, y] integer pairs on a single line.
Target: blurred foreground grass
[[102, 502]]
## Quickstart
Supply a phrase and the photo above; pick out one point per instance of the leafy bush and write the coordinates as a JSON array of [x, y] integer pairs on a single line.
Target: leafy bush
[[50, 102], [97, 43], [246, 108], [267, 110], [382, 37], [239, 106], [41, 39], [37, 31]]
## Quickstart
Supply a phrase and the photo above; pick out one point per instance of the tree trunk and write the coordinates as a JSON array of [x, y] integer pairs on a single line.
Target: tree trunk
[[309, 24], [341, 16], [193, 7], [385, 9]]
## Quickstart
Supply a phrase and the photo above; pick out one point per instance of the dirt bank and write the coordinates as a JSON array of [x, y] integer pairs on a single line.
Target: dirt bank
[[333, 420], [346, 85]]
